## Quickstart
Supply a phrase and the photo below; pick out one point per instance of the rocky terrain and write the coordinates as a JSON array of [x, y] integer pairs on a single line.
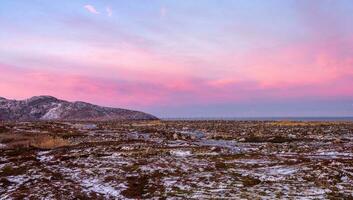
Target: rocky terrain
[[51, 108], [176, 160]]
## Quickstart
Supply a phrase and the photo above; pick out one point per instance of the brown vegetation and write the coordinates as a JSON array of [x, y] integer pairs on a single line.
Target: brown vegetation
[[15, 141], [48, 142]]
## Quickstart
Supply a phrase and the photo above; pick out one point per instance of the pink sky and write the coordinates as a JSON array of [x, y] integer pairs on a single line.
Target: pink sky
[[136, 57]]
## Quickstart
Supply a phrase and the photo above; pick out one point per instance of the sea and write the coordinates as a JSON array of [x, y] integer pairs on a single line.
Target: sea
[[349, 119]]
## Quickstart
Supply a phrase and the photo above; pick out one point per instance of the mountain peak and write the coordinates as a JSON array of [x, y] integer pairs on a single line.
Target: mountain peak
[[34, 98], [2, 99]]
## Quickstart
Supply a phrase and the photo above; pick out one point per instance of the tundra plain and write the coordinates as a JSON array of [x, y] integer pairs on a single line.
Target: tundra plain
[[176, 160]]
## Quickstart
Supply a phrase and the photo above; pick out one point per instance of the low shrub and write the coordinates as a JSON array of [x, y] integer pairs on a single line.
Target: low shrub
[[8, 170], [250, 181], [3, 129]]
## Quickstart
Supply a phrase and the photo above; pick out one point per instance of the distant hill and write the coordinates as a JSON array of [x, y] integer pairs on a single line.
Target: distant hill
[[51, 108]]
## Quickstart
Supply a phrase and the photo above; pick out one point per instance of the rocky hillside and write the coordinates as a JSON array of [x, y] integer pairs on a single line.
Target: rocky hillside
[[51, 108]]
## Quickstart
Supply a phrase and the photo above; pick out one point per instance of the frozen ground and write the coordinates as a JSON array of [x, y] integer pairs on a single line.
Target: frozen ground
[[179, 160]]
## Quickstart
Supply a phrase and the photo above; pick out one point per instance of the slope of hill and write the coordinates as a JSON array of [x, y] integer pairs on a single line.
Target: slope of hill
[[51, 108]]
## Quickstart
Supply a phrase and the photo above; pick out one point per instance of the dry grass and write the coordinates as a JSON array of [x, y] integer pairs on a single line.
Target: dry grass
[[299, 123], [49, 142], [15, 141], [146, 123]]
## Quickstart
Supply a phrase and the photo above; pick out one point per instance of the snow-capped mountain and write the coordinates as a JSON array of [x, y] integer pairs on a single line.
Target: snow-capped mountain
[[51, 108]]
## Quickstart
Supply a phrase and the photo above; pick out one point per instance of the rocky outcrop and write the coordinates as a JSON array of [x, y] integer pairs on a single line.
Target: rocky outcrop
[[51, 108]]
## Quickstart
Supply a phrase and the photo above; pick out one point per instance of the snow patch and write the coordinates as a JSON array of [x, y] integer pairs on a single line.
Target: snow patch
[[53, 113], [253, 161], [335, 154], [282, 171], [85, 126], [17, 179], [181, 153], [43, 157], [95, 185]]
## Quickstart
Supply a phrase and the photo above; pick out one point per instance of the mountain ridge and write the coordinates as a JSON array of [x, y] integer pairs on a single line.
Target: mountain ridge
[[46, 107]]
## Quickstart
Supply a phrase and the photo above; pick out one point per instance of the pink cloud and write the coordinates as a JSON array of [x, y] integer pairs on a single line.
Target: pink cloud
[[21, 83], [91, 9], [130, 75], [312, 62]]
